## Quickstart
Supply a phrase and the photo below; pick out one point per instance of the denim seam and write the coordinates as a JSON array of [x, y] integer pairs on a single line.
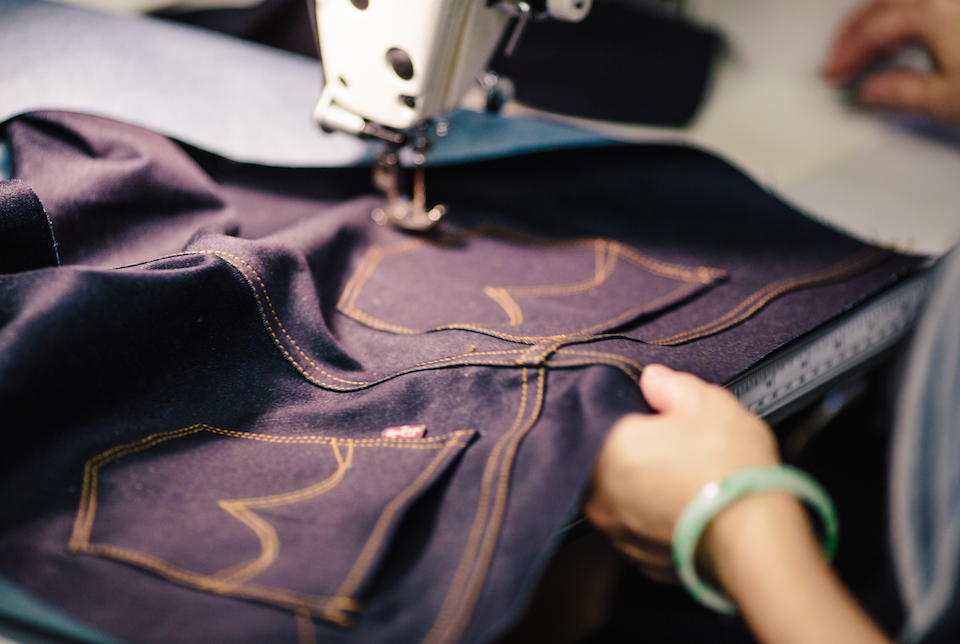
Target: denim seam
[[464, 590], [466, 359], [846, 267], [361, 566]]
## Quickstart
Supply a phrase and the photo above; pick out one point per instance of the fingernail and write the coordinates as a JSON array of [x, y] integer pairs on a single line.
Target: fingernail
[[656, 370]]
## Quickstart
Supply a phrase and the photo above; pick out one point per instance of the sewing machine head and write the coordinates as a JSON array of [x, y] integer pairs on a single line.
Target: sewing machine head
[[393, 67]]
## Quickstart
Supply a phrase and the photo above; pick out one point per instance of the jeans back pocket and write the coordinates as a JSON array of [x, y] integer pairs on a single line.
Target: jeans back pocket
[[514, 286], [299, 522]]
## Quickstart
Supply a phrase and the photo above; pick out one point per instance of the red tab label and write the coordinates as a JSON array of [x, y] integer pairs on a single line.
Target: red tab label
[[405, 431]]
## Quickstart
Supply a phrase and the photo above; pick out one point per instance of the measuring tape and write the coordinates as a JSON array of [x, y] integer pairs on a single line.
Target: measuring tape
[[843, 345]]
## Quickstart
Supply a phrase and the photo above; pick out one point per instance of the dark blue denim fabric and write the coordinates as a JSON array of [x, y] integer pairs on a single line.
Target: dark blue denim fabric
[[194, 401], [26, 236]]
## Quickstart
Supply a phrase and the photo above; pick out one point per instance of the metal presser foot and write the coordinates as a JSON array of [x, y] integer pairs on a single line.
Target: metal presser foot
[[411, 215]]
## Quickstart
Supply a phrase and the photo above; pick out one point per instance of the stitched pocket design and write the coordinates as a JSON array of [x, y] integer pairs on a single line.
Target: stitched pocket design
[[514, 286], [273, 519]]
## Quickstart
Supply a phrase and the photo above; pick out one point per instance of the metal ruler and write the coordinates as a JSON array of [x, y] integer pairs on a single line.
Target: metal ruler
[[828, 354]]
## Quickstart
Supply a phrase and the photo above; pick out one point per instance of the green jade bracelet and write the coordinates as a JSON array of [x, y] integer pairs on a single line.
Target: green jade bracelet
[[717, 495]]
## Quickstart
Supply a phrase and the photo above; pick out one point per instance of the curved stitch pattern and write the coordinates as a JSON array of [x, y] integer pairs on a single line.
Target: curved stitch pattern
[[606, 253], [231, 581]]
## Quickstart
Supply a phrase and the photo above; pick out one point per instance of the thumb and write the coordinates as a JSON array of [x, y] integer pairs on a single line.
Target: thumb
[[667, 390], [903, 90]]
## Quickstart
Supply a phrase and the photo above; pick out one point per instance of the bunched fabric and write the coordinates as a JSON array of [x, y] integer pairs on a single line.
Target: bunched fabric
[[198, 362]]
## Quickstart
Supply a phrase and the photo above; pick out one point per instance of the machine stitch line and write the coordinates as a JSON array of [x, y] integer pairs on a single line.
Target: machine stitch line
[[492, 532], [507, 303], [598, 354], [367, 319], [367, 267], [276, 317], [306, 632], [242, 510], [604, 263], [472, 352], [280, 344], [335, 387], [604, 260], [848, 266], [541, 350], [664, 269], [467, 558], [365, 559], [353, 280], [276, 340], [83, 524], [678, 293], [851, 265], [694, 278], [619, 364], [223, 256], [284, 598], [277, 597], [415, 368], [609, 359], [481, 533], [857, 264], [634, 377]]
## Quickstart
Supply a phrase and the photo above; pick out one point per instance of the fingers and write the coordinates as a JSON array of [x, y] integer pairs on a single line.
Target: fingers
[[650, 466], [655, 560], [650, 554], [902, 90], [666, 390], [851, 25], [599, 513], [659, 574], [879, 28]]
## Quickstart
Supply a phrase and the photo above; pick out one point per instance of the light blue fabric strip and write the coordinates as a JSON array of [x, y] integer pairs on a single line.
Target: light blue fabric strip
[[240, 100], [22, 608], [5, 169], [476, 136]]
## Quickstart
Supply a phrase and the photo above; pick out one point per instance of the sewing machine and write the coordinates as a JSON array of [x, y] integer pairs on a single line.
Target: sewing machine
[[393, 68]]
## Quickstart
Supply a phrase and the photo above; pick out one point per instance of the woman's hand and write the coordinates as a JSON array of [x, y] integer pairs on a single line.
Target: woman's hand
[[880, 27], [651, 466], [761, 549]]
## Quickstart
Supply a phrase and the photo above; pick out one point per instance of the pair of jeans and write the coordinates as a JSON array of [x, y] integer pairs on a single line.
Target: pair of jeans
[[197, 395]]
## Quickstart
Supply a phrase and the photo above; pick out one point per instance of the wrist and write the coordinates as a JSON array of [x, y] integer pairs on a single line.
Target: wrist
[[719, 495], [770, 525], [764, 553]]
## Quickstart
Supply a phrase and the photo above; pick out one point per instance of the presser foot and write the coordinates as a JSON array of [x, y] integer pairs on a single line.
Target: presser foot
[[404, 213]]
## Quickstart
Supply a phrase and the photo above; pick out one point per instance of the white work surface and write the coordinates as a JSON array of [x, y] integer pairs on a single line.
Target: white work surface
[[770, 114], [767, 112]]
